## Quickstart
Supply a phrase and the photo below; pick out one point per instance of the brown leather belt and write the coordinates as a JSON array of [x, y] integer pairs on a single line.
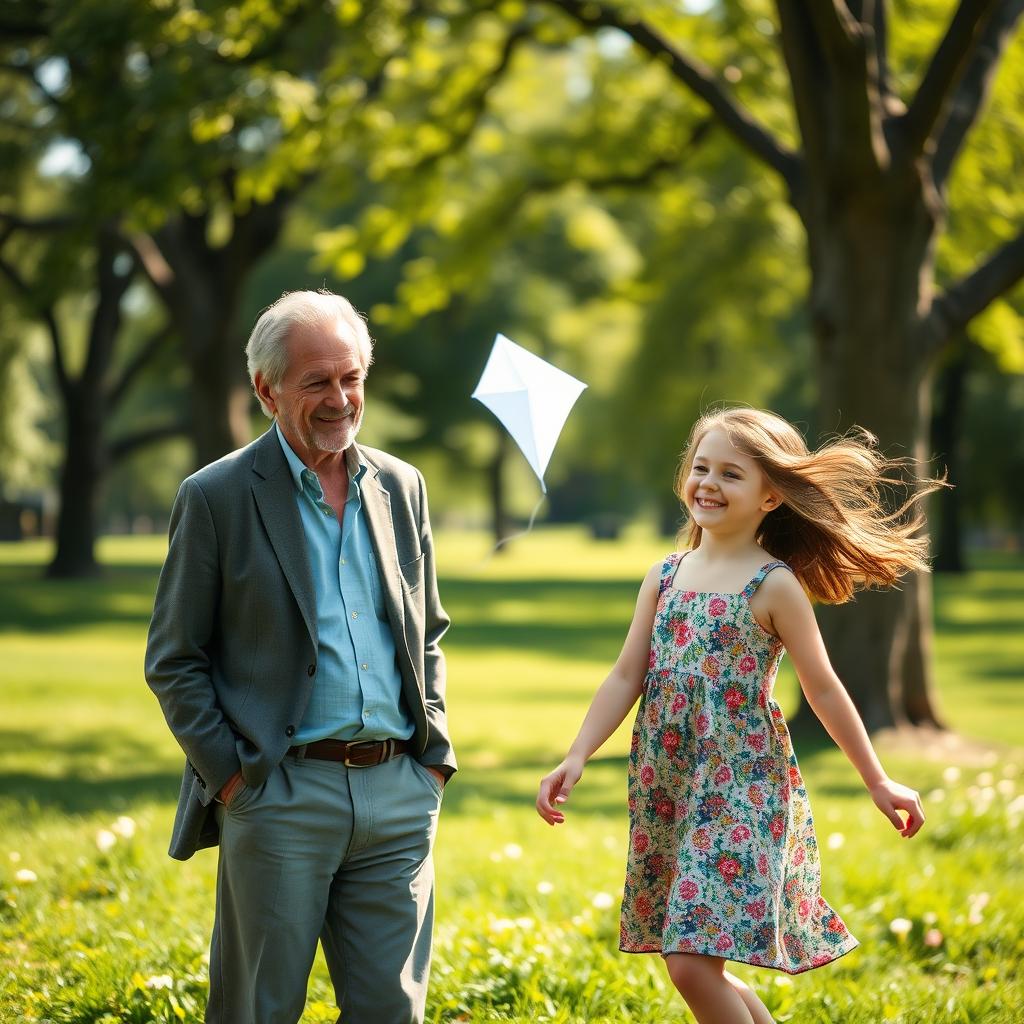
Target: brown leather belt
[[352, 753]]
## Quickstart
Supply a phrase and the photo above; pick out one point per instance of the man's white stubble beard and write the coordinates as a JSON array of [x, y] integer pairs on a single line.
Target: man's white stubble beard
[[327, 444]]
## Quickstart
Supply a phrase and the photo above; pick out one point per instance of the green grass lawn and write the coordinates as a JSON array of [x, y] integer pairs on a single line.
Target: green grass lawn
[[97, 924]]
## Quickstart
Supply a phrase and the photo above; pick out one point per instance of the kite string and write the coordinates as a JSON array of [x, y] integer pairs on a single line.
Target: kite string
[[515, 536]]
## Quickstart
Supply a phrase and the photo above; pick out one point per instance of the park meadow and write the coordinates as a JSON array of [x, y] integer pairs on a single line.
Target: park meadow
[[98, 925]]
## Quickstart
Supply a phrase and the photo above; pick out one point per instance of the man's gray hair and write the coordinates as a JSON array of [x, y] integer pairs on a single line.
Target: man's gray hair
[[266, 352]]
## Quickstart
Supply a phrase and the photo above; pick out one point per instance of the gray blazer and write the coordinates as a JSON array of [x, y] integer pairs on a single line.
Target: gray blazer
[[233, 641]]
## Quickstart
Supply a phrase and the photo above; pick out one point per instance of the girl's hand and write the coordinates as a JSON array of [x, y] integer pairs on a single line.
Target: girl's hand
[[890, 798], [555, 789]]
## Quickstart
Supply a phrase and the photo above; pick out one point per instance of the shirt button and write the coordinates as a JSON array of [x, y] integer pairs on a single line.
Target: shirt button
[[311, 670], [343, 561], [290, 731], [366, 714], [364, 666], [355, 615]]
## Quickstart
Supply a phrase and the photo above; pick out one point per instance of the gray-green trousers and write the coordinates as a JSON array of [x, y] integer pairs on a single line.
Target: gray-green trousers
[[343, 855]]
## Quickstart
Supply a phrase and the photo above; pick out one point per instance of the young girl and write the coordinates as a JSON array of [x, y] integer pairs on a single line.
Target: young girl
[[723, 861]]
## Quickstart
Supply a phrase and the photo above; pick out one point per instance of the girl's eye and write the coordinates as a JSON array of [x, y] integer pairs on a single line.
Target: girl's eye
[[700, 469], [732, 476]]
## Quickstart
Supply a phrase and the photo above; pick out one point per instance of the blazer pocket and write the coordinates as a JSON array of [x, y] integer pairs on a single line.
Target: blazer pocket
[[412, 573]]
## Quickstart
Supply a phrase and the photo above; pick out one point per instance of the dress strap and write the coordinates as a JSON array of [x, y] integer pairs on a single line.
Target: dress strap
[[751, 587], [668, 571]]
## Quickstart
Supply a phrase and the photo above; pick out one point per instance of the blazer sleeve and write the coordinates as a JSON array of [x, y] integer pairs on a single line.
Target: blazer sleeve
[[438, 752], [181, 634]]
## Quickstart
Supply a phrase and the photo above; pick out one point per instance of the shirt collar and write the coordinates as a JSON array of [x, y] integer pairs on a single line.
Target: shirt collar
[[353, 462]]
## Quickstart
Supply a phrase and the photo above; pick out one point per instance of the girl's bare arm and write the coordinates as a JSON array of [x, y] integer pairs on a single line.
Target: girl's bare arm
[[616, 695], [792, 619]]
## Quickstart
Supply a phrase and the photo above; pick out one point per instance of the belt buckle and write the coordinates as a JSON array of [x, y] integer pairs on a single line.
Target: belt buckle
[[365, 745]]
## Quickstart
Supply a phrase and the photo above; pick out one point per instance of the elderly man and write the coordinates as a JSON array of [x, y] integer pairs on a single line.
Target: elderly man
[[294, 652]]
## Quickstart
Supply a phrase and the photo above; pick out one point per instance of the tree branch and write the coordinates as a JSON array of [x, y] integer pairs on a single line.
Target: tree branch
[[807, 73], [965, 299], [478, 107], [136, 365], [45, 314], [121, 447], [16, 223], [11, 28], [968, 100], [944, 70], [876, 12], [697, 77]]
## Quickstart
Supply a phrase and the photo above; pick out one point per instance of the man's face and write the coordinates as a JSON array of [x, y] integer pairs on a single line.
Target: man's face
[[319, 402]]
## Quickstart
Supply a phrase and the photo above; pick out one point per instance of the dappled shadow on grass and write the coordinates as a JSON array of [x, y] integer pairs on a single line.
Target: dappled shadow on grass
[[87, 772], [600, 794], [75, 793], [30, 603]]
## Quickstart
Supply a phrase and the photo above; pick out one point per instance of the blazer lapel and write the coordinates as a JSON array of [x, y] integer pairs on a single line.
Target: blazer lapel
[[376, 503], [274, 492]]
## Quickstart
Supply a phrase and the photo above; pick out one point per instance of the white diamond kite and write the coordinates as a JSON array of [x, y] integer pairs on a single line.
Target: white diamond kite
[[531, 397]]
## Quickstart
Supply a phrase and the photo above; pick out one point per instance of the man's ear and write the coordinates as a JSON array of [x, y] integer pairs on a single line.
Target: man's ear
[[264, 391]]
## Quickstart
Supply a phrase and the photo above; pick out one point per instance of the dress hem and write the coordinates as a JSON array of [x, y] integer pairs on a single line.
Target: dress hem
[[737, 960]]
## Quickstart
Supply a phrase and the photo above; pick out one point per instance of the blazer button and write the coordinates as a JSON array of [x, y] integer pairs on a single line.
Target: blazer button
[[311, 671], [290, 731]]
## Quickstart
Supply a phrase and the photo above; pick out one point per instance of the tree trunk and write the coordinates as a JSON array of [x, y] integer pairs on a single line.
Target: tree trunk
[[80, 479], [221, 398], [947, 429], [201, 284], [496, 489], [871, 268], [85, 406]]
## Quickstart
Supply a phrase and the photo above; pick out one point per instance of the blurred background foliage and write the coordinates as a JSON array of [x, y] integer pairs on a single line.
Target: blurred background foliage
[[169, 167]]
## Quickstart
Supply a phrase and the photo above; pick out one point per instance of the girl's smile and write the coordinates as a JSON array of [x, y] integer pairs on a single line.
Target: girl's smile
[[725, 485]]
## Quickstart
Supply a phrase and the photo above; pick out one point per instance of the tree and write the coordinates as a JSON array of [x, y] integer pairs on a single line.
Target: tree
[[868, 175]]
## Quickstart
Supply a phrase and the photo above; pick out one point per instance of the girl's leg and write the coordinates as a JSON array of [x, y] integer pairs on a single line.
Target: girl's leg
[[758, 1011], [709, 992]]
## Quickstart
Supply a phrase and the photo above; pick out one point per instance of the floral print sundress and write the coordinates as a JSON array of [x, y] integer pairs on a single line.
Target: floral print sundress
[[723, 858]]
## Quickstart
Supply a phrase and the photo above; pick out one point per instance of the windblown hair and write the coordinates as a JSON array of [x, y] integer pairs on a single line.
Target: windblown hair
[[266, 352], [841, 525]]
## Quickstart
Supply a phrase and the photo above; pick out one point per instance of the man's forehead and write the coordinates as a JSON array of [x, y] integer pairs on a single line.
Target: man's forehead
[[321, 345]]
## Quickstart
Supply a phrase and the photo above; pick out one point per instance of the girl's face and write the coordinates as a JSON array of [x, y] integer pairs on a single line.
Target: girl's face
[[726, 491]]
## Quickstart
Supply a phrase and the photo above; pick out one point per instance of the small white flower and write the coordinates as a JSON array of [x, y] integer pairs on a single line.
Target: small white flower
[[105, 840], [836, 840], [985, 779], [900, 927], [545, 888], [25, 876], [951, 775], [525, 923], [15, 856], [1006, 787], [602, 901], [936, 796], [124, 827], [501, 924], [160, 981], [977, 903], [513, 851]]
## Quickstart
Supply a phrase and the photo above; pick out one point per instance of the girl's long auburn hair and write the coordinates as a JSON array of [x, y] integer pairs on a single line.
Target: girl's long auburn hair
[[834, 528]]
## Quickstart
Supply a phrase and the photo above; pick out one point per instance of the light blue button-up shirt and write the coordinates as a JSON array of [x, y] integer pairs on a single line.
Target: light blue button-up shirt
[[357, 689]]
